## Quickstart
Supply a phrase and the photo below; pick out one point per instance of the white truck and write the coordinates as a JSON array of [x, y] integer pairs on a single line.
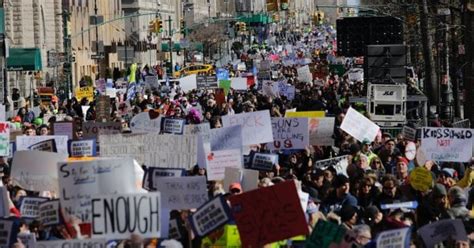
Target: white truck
[[386, 104]]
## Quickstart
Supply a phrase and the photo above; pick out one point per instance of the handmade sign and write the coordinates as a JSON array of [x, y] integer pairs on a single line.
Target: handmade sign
[[99, 243], [394, 238], [118, 216], [85, 92], [25, 142], [217, 161], [289, 133], [29, 207], [82, 148], [287, 90], [268, 214], [338, 163], [103, 109], [321, 131], [92, 129], [270, 88], [146, 122], [304, 74], [49, 213], [172, 125], [442, 230], [447, 144], [410, 150], [188, 83], [4, 138], [197, 129], [409, 133], [239, 83], [207, 82], [421, 179], [152, 82], [182, 192], [155, 173], [256, 126], [64, 128], [45, 146], [263, 161], [210, 216], [27, 239], [358, 126]]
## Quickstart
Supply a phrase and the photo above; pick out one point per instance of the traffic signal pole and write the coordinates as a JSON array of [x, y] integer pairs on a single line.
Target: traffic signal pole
[[170, 44]]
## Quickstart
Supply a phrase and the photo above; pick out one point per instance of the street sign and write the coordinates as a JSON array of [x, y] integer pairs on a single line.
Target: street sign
[[97, 56], [125, 53]]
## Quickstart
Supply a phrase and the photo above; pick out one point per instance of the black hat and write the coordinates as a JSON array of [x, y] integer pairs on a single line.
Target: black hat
[[340, 180], [347, 212]]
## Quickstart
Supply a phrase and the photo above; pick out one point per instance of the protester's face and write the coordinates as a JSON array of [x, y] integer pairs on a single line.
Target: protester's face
[[365, 148], [30, 132], [389, 188], [293, 159], [328, 175], [218, 124], [441, 202], [79, 134], [402, 167], [363, 162], [343, 189], [366, 187], [376, 164], [44, 131], [461, 244], [319, 181], [390, 146]]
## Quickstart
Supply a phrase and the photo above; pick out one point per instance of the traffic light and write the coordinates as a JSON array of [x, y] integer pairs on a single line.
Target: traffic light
[[243, 27], [182, 26], [237, 27], [159, 26], [151, 26], [276, 17]]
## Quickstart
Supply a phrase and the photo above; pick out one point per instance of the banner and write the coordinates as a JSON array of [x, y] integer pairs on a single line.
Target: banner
[[289, 133], [64, 128], [85, 92], [173, 126], [442, 230], [155, 173], [4, 139], [29, 206], [152, 149], [268, 214], [105, 176], [263, 161], [25, 142], [358, 126], [256, 126], [45, 146], [145, 122], [338, 163], [92, 129], [5, 232], [210, 216], [118, 216], [321, 131], [305, 114], [49, 213], [36, 170], [447, 144], [409, 133], [96, 243], [182, 192], [82, 148]]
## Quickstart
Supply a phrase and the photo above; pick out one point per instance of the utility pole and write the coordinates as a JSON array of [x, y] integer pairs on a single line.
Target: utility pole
[[3, 57], [469, 67], [170, 44], [67, 66], [97, 39]]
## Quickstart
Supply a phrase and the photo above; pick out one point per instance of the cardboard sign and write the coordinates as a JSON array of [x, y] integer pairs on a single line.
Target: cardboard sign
[[198, 129], [421, 179], [206, 82], [83, 148], [99, 243], [4, 205], [152, 149], [304, 74], [85, 92], [118, 216], [305, 114], [358, 126], [218, 161], [442, 230], [153, 174], [321, 131], [29, 207], [92, 129], [338, 163], [25, 142], [36, 170], [268, 214], [289, 91], [289, 133], [64, 128], [447, 144], [103, 109], [182, 192], [409, 133], [173, 126], [263, 161], [152, 82], [210, 216], [270, 88], [49, 213], [105, 176], [4, 138], [5, 232], [146, 122], [256, 126], [45, 146], [325, 234], [239, 83]]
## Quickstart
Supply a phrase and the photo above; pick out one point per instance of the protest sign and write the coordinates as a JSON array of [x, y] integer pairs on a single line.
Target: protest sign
[[29, 206], [394, 238], [104, 176], [219, 96], [268, 214], [441, 230], [27, 239], [85, 92], [103, 109], [410, 204], [321, 131], [217, 161], [4, 138], [466, 123], [210, 216], [3, 113], [111, 92], [100, 85], [447, 144], [4, 203], [222, 74], [58, 117], [84, 111], [249, 179], [270, 88], [5, 232], [304, 197], [225, 85], [286, 90], [358, 126], [92, 129], [96, 243], [146, 122], [263, 161], [305, 114], [289, 133], [63, 128], [154, 173], [256, 126], [231, 175], [152, 82], [36, 170], [409, 133], [45, 146], [239, 83], [49, 213], [152, 149], [182, 192], [118, 216], [174, 232], [173, 126], [206, 82], [188, 83], [304, 74], [338, 163], [25, 142], [421, 179], [225, 138], [197, 129], [82, 148], [325, 234]]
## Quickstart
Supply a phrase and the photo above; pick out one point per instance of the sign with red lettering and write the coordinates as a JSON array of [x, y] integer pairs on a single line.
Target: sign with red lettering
[[289, 133], [256, 126], [447, 144], [4, 139], [268, 214]]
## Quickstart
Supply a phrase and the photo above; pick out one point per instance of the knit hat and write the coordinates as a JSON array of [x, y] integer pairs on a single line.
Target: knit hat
[[402, 160], [347, 212], [439, 191], [371, 213]]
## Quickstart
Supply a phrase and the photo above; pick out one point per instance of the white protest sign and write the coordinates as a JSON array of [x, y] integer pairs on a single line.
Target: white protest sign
[[217, 161], [225, 138], [36, 170], [270, 88], [64, 128], [338, 163], [49, 213], [102, 176], [442, 230], [5, 232], [188, 83], [239, 83], [263, 161], [29, 207], [118, 216], [304, 74], [286, 90], [394, 238], [256, 126], [45, 146], [410, 150], [142, 122], [321, 131], [197, 129], [96, 243], [289, 133], [409, 133], [111, 92], [174, 126], [152, 149], [155, 173], [210, 216], [447, 144], [27, 239], [358, 126], [182, 192], [82, 148], [249, 179], [4, 139], [24, 142], [231, 175]]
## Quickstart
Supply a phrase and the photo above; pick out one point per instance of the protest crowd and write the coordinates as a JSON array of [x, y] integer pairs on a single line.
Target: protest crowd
[[266, 151]]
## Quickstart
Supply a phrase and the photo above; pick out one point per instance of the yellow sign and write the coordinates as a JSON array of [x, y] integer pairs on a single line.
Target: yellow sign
[[73, 159], [421, 179], [87, 92], [305, 114]]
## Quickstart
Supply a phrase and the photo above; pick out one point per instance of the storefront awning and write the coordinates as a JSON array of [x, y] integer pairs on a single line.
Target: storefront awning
[[24, 59]]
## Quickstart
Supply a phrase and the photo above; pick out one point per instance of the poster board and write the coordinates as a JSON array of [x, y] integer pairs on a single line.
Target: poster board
[[182, 192], [358, 126], [256, 126], [289, 133], [321, 131], [447, 144]]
